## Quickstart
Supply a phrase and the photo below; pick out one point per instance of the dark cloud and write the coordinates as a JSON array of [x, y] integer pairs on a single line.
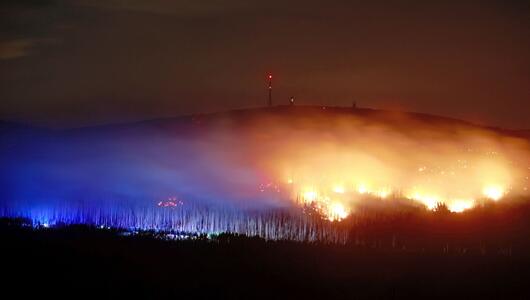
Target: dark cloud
[[116, 61], [181, 8], [15, 48]]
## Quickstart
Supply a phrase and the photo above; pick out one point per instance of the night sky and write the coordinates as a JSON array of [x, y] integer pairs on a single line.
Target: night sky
[[77, 63]]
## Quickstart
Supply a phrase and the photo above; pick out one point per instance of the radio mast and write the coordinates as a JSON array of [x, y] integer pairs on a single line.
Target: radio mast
[[270, 89]]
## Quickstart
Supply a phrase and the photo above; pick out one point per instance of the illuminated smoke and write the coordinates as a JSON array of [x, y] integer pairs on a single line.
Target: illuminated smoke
[[230, 171], [337, 160]]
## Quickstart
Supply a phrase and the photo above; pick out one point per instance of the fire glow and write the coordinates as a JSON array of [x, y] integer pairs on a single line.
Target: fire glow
[[458, 190], [337, 203], [335, 170], [290, 172]]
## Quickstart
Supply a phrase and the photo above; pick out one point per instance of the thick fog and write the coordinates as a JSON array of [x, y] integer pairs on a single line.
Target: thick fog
[[263, 160]]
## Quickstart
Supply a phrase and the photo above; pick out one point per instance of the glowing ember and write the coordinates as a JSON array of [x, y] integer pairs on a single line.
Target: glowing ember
[[338, 189], [330, 209], [493, 192], [337, 212], [362, 189], [430, 201], [460, 205], [170, 202], [309, 196], [383, 193]]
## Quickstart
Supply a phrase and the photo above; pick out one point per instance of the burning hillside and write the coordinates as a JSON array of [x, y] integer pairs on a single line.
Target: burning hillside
[[333, 159], [322, 163]]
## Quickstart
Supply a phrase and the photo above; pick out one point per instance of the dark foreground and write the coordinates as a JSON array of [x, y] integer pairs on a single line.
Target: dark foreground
[[82, 261]]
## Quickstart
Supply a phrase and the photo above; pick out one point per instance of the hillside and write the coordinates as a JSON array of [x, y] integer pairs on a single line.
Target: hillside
[[242, 117]]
